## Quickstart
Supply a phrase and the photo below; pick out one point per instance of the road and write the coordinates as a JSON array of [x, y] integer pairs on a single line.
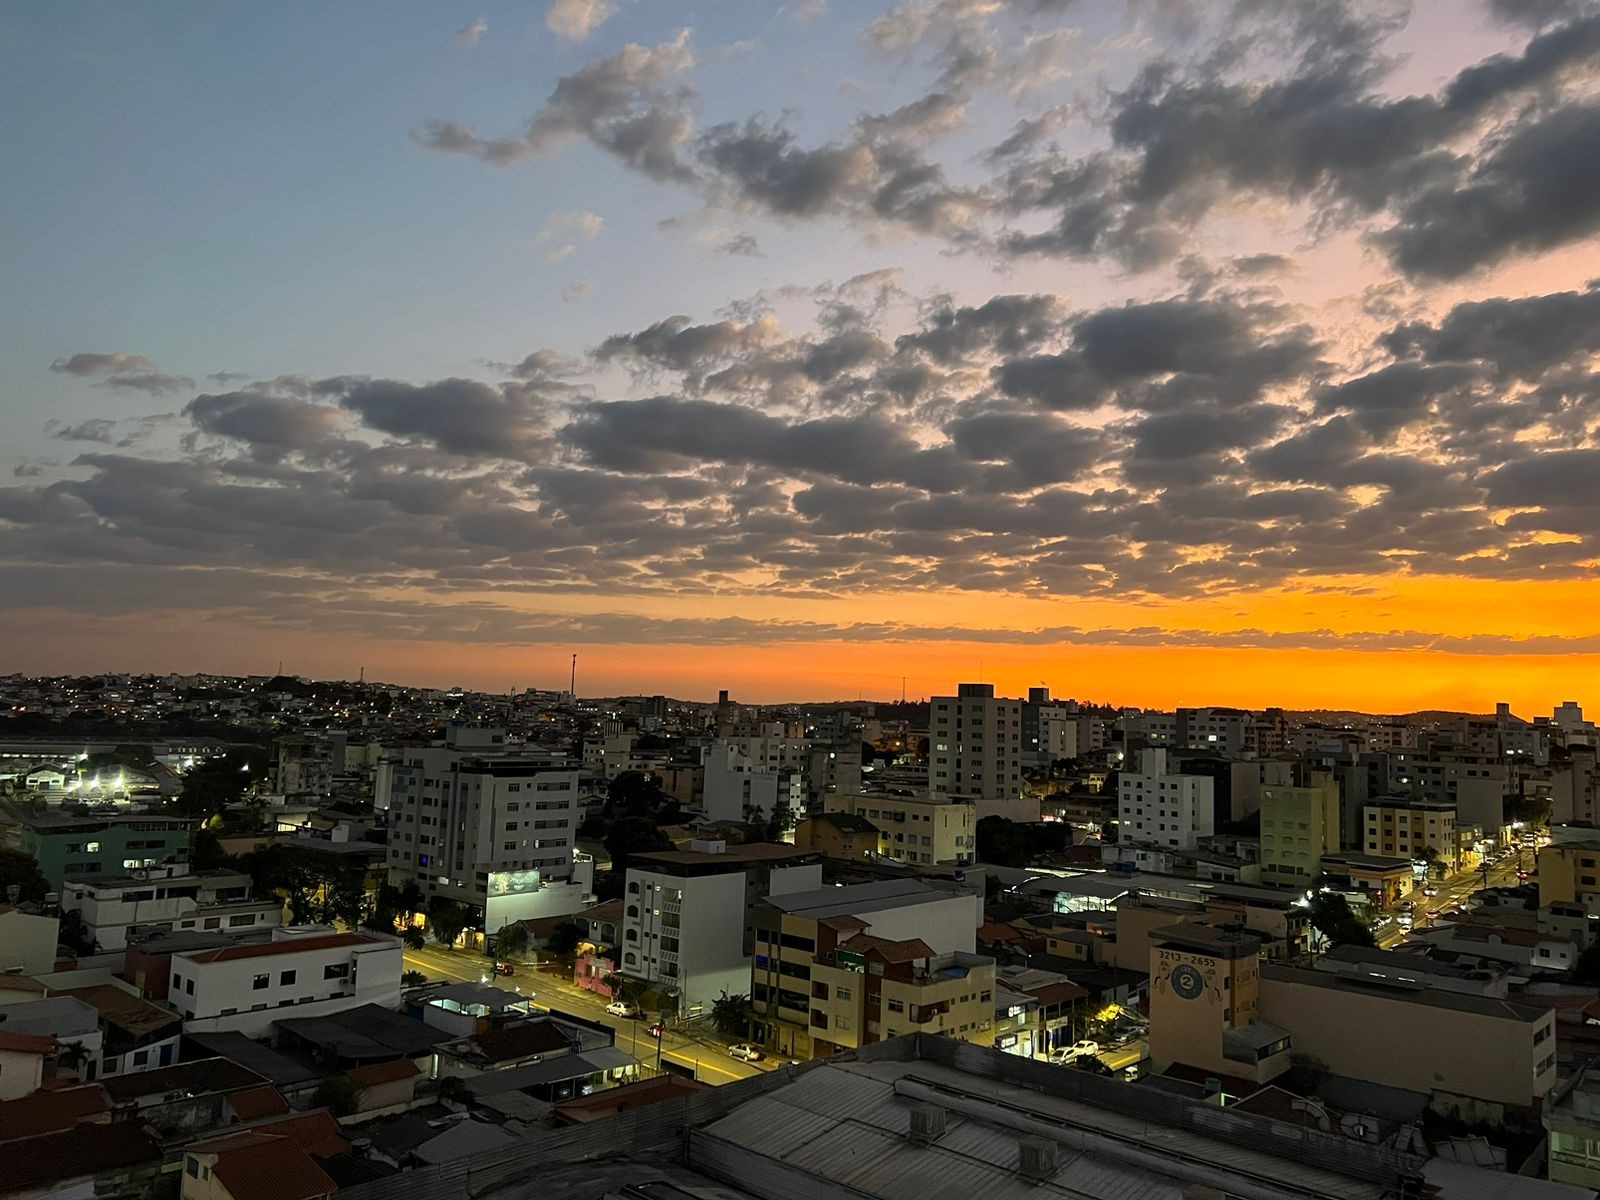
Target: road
[[709, 1058], [1454, 892]]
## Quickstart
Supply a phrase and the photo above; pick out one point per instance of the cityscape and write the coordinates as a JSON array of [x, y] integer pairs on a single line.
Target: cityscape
[[800, 600]]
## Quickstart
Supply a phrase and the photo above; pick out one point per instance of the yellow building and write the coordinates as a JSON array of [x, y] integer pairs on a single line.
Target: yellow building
[[1205, 1004], [917, 828], [1569, 873], [1298, 826], [839, 835], [1398, 826]]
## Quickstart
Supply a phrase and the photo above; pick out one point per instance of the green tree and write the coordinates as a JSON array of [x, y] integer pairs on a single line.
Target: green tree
[[21, 870], [564, 938], [453, 1087], [511, 941], [630, 836], [730, 1013], [1331, 916], [338, 1095], [1430, 855], [212, 785], [412, 979], [446, 920], [633, 794], [1001, 842]]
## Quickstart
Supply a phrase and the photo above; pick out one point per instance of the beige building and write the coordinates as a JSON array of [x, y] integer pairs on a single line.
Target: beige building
[[1205, 1004], [838, 968], [838, 835], [27, 942], [1397, 826], [22, 1058], [1572, 1122], [1569, 873], [1298, 826], [975, 750], [1475, 1055], [922, 829]]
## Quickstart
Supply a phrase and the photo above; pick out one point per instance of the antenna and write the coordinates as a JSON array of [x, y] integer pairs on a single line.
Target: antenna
[[574, 686]]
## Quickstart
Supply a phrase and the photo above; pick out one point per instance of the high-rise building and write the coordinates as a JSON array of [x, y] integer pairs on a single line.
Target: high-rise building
[[1156, 806], [975, 749], [1298, 826], [488, 825]]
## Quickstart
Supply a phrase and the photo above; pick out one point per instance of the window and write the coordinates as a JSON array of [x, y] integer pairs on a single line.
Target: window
[[235, 922], [91, 847], [192, 1166], [285, 978], [141, 1057], [260, 982], [188, 987], [897, 1006], [336, 971], [177, 982]]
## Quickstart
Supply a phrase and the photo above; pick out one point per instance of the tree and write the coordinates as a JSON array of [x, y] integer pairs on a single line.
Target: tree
[[22, 871], [212, 785], [72, 1056], [338, 1095], [1330, 915], [511, 941], [412, 979], [1430, 855], [1587, 969], [1001, 842], [633, 794], [630, 836], [446, 920], [729, 1013], [453, 1087], [564, 938]]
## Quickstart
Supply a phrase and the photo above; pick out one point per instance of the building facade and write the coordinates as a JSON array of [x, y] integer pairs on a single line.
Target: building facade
[[975, 749], [1159, 807], [920, 828], [1299, 825]]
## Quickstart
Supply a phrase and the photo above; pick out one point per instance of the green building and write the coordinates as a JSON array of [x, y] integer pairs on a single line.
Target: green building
[[100, 846]]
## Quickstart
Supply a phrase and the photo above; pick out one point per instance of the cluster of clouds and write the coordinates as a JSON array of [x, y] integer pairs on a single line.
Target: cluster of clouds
[[1492, 164], [1211, 439]]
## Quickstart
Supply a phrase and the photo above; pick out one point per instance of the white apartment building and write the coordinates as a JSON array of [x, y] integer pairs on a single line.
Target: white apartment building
[[304, 971], [737, 787], [686, 926], [1156, 806], [975, 749], [491, 826], [166, 898]]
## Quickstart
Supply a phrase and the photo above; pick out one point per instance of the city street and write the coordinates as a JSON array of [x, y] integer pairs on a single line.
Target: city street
[[553, 990], [1454, 892]]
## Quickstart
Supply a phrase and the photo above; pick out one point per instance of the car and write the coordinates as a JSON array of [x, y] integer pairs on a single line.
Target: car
[[657, 1030], [504, 968], [1522, 875], [1083, 1049], [745, 1052], [1430, 890], [622, 1008], [1435, 913]]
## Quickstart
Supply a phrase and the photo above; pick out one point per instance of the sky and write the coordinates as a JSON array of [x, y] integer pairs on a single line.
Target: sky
[[1162, 353]]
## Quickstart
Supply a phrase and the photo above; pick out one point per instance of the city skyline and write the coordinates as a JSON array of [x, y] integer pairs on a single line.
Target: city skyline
[[1238, 355]]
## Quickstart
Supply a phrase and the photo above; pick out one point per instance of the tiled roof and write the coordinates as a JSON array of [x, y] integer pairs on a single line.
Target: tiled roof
[[74, 1153], [521, 1041], [205, 1075], [889, 951], [317, 1131], [376, 1073], [272, 1170], [256, 1102], [27, 1043], [123, 1009], [291, 945], [50, 1112]]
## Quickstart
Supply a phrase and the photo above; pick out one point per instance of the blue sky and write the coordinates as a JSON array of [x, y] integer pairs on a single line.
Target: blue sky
[[1157, 323]]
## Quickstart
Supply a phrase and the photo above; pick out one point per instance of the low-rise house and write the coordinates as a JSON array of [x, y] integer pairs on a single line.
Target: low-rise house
[[74, 1025], [137, 1035], [22, 1060], [167, 898], [283, 1159]]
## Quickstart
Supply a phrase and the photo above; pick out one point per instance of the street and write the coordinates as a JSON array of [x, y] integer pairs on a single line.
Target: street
[[1454, 892], [553, 990]]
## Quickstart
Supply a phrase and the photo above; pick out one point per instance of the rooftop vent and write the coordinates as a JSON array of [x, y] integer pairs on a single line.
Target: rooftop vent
[[1036, 1157], [927, 1123]]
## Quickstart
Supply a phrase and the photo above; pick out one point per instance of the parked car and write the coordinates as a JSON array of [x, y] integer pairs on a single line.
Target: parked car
[[745, 1052], [1066, 1054], [657, 1030], [504, 968], [621, 1008]]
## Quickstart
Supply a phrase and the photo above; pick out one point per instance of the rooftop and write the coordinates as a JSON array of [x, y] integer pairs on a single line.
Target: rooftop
[[1210, 939], [366, 1032], [521, 1041], [388, 1072], [26, 1043], [34, 1162], [752, 852], [126, 1011], [1486, 1006], [284, 945], [857, 898], [846, 822], [50, 1111], [60, 1016], [192, 1078]]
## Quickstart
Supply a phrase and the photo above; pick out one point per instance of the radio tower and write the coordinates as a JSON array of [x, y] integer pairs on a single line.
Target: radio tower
[[573, 689]]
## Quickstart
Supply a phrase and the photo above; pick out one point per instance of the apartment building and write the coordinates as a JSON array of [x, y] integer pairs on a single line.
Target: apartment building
[[917, 828], [1475, 783], [1398, 826], [70, 846], [168, 898], [304, 971], [1569, 874], [687, 929], [1572, 1122], [1205, 1004], [872, 955], [1159, 807], [738, 788], [491, 826], [975, 749], [1299, 825], [1224, 730], [838, 835]]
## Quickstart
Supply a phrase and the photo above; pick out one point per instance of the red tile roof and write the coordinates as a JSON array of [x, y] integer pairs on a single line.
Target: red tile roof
[[27, 1043], [317, 1131], [521, 1041], [272, 1170], [258, 1102], [50, 1112], [889, 950], [629, 1096], [75, 1153], [203, 1075], [329, 941], [389, 1072]]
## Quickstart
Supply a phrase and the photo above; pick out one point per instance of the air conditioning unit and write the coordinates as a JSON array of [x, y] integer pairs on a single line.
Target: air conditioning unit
[[1036, 1157], [927, 1123]]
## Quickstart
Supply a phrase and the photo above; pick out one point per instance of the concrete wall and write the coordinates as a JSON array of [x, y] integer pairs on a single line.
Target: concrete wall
[[27, 942]]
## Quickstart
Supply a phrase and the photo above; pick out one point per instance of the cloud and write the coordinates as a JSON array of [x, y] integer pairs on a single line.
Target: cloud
[[576, 20], [472, 32], [271, 425], [563, 231], [803, 12], [572, 293], [122, 371]]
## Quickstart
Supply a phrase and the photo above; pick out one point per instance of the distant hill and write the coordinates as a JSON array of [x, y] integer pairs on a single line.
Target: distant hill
[[1430, 716]]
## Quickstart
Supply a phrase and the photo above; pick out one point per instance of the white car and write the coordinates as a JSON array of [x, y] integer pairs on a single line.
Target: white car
[[621, 1008], [745, 1052], [1066, 1054]]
